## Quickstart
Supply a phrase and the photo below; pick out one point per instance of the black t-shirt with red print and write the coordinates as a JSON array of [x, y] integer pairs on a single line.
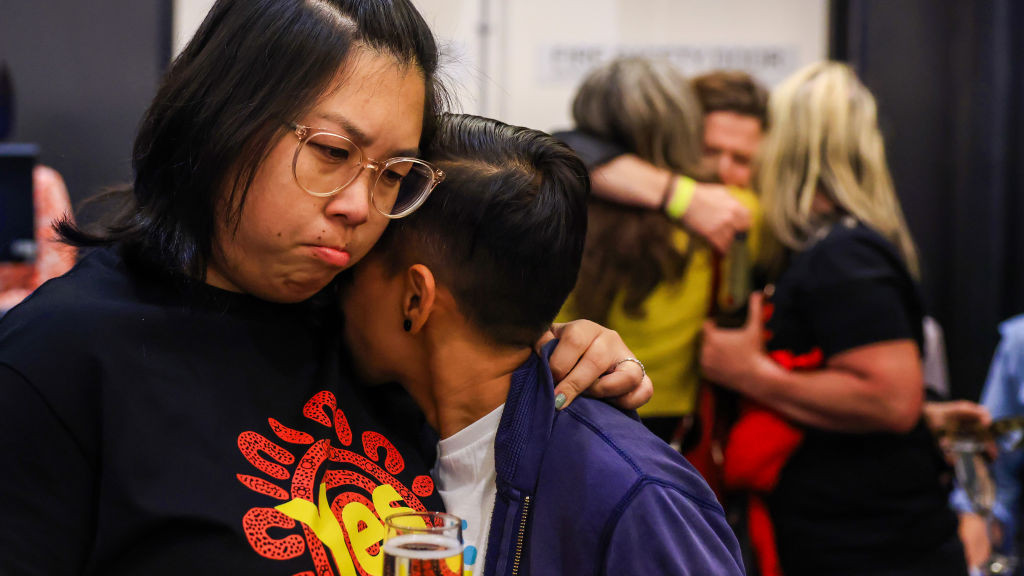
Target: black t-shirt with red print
[[154, 430], [855, 503]]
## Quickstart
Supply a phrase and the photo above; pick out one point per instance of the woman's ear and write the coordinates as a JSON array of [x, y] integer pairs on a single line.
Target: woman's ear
[[418, 299]]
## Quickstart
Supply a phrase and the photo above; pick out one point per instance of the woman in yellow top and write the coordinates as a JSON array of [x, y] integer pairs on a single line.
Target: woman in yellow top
[[642, 274]]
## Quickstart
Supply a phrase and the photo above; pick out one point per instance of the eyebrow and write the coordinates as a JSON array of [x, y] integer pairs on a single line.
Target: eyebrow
[[361, 138]]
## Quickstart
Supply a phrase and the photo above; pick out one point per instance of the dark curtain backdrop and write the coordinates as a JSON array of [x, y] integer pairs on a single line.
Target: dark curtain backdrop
[[83, 73], [949, 79]]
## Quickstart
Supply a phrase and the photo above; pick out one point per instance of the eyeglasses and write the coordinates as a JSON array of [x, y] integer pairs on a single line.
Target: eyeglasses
[[326, 163]]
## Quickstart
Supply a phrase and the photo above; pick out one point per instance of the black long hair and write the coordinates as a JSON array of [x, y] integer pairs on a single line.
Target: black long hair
[[252, 65]]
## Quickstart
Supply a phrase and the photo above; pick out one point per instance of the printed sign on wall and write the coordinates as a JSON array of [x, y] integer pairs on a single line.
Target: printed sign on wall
[[567, 64]]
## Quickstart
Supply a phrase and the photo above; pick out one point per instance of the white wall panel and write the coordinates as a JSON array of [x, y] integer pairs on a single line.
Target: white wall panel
[[521, 60]]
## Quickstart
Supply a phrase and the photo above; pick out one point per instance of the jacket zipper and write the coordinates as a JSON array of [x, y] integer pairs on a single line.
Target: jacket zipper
[[521, 537]]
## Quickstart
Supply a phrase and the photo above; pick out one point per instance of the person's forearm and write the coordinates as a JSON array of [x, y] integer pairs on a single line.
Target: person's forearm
[[631, 181], [706, 210], [832, 399]]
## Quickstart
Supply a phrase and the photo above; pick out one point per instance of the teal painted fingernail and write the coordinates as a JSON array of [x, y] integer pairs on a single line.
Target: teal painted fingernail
[[560, 400]]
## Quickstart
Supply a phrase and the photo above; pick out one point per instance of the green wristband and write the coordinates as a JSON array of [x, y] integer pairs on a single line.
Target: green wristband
[[682, 195]]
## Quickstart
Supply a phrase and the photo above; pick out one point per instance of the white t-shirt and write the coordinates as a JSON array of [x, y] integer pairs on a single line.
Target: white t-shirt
[[465, 479]]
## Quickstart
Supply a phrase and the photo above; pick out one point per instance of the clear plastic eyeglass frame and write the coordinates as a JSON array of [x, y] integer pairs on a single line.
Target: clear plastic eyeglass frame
[[362, 162]]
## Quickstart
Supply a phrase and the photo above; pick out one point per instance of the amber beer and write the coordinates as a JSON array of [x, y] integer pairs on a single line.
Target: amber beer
[[422, 555], [423, 544]]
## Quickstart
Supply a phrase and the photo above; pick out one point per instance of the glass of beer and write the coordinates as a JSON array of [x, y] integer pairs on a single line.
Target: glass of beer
[[423, 544]]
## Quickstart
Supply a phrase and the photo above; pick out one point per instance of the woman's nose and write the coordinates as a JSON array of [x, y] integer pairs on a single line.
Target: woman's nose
[[352, 203]]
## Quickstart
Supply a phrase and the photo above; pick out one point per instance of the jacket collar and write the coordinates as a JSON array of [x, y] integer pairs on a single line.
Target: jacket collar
[[525, 425]]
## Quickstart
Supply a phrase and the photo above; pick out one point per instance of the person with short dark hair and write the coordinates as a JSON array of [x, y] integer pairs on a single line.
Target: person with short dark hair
[[450, 303], [735, 119], [176, 403], [732, 91]]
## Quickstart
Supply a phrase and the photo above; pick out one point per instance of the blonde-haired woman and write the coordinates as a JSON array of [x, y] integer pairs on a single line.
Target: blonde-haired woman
[[842, 473], [642, 274]]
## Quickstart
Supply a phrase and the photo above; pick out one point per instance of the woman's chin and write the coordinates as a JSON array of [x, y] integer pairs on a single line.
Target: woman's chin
[[295, 289]]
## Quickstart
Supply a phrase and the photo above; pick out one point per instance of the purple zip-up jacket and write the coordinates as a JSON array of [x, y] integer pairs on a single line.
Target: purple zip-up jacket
[[589, 490]]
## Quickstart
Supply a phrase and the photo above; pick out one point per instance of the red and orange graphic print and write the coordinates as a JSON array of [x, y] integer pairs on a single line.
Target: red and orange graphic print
[[345, 512]]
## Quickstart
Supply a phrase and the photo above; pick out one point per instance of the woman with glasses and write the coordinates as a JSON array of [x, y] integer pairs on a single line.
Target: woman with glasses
[[842, 474], [176, 404]]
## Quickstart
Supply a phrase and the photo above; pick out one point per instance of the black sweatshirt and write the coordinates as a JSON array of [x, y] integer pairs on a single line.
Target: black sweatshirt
[[149, 429]]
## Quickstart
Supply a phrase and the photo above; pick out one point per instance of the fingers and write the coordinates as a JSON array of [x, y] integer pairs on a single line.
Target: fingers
[[709, 328], [967, 411], [624, 378], [956, 416], [754, 311], [730, 357], [573, 362], [582, 377], [574, 339], [721, 238], [715, 215], [589, 358], [738, 219], [635, 398], [742, 218], [638, 397], [627, 387]]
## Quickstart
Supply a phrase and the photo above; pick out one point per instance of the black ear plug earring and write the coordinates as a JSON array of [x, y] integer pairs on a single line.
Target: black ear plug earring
[[407, 325]]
